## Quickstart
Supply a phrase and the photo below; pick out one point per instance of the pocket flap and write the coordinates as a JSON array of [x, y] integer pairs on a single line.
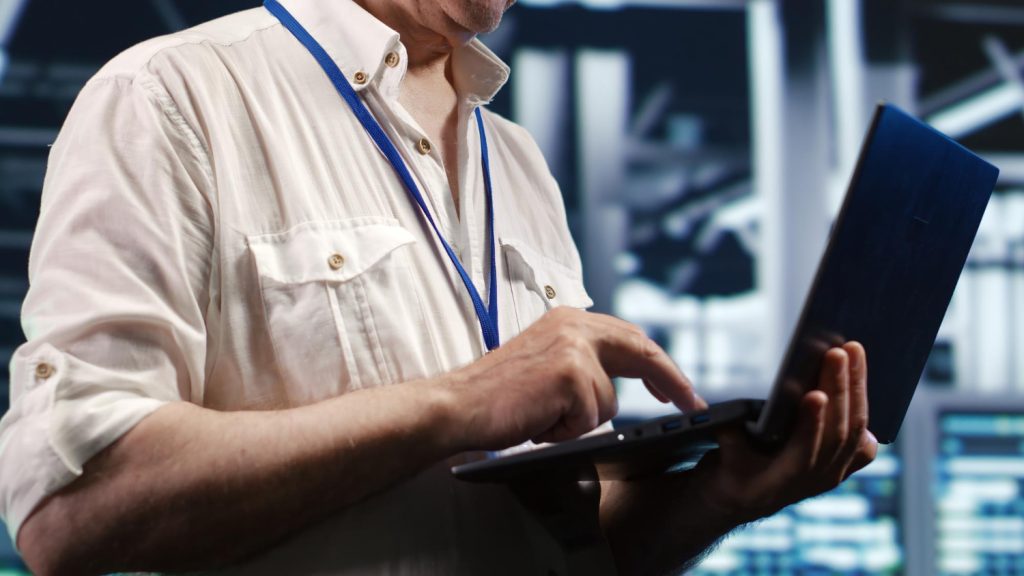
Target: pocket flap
[[552, 280], [332, 251]]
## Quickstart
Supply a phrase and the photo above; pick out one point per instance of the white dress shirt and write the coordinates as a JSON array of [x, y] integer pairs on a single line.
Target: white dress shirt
[[217, 228]]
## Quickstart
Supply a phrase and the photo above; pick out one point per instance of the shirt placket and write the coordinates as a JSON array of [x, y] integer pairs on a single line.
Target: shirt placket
[[472, 197], [463, 229], [423, 159]]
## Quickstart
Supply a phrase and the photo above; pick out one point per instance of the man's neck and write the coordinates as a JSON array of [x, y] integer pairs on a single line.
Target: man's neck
[[429, 36], [428, 90]]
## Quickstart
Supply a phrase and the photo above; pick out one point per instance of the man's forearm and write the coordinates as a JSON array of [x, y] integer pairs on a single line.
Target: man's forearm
[[190, 488], [658, 527]]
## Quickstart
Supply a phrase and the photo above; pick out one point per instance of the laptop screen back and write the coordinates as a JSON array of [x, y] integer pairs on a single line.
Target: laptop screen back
[[888, 274]]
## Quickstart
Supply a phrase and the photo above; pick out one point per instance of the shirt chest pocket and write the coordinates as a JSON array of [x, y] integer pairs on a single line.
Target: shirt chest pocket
[[337, 297], [539, 283]]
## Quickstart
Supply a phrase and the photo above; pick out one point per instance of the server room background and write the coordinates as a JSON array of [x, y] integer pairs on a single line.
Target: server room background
[[703, 147]]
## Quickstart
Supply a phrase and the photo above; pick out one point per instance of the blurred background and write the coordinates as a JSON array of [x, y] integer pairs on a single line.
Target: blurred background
[[703, 147]]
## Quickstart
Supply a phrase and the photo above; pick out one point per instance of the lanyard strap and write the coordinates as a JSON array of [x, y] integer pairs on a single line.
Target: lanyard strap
[[488, 315]]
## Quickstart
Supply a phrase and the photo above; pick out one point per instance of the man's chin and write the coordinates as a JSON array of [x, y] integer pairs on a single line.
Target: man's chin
[[479, 26], [479, 18]]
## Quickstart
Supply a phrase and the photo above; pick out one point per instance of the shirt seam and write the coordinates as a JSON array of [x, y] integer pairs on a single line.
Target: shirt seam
[[171, 111], [181, 41], [199, 151]]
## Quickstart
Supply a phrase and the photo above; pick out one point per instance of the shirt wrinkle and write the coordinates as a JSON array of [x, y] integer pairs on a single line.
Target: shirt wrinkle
[[198, 149]]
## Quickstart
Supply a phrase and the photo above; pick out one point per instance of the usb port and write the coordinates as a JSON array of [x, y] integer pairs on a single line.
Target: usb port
[[700, 419], [671, 425]]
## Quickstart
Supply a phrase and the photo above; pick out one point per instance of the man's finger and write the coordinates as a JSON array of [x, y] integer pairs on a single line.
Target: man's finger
[[858, 388], [654, 392], [607, 401], [858, 410], [867, 451], [579, 415], [804, 445], [625, 350], [834, 381]]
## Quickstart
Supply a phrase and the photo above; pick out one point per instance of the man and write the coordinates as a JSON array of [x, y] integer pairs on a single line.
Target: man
[[248, 348]]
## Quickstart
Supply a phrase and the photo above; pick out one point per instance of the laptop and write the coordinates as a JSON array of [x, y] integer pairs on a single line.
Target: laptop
[[893, 259]]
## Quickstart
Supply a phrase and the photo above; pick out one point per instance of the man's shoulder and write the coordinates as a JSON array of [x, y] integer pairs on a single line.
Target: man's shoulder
[[515, 137], [505, 125], [221, 32]]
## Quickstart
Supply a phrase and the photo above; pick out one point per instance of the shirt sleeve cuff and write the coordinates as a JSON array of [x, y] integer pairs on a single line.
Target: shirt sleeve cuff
[[48, 435]]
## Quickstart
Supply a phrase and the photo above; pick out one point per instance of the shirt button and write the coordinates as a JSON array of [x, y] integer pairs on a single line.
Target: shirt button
[[44, 370], [360, 77], [550, 292], [424, 146], [336, 261], [391, 59]]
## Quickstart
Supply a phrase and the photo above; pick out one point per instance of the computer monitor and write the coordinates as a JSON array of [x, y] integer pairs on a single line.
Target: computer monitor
[[975, 523]]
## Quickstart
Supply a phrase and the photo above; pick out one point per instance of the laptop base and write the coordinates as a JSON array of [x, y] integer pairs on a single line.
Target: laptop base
[[670, 443]]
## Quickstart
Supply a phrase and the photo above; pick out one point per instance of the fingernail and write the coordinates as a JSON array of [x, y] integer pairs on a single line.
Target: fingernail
[[872, 437]]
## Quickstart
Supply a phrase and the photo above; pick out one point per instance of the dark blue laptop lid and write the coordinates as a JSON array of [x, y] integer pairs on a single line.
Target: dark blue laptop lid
[[893, 260]]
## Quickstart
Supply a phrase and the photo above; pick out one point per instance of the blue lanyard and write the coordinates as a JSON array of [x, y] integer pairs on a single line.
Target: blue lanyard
[[488, 315]]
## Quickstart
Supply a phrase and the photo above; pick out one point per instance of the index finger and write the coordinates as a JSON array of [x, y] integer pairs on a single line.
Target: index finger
[[624, 350]]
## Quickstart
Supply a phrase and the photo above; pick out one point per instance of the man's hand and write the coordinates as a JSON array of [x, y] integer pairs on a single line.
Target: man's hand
[[830, 442], [553, 381], [662, 524]]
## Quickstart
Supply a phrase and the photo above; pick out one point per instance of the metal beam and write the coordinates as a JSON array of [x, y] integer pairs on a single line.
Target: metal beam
[[1003, 61], [846, 71], [170, 14], [977, 112], [10, 13], [973, 13], [966, 88], [1011, 167], [603, 128], [27, 137], [983, 98], [766, 50]]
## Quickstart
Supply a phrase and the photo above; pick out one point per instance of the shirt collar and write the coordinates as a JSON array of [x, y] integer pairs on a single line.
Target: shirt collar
[[479, 73], [359, 43]]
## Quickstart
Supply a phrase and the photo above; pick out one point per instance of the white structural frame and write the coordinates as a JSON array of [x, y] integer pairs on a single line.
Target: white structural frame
[[10, 14]]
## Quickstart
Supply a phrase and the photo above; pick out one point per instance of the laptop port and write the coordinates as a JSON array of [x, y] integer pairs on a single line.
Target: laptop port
[[671, 425], [700, 419]]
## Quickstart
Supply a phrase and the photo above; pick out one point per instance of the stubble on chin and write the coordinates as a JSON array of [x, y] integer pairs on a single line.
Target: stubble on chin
[[478, 16]]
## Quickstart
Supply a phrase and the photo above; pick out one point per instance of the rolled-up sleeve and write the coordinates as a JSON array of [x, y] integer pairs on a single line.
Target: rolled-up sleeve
[[119, 275]]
